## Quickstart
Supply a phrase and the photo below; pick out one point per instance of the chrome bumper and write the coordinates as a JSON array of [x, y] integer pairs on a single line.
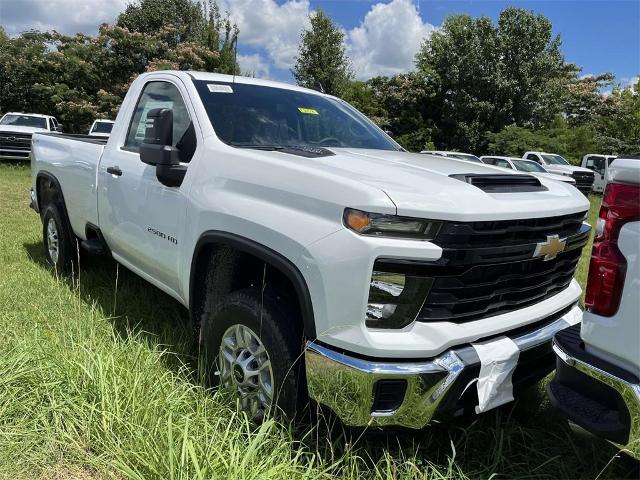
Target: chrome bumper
[[630, 393], [346, 384]]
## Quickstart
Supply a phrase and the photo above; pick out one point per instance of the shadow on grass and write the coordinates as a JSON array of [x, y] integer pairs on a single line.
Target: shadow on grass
[[133, 305], [524, 440]]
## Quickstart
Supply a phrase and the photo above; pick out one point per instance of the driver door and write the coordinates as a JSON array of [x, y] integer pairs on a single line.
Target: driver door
[[140, 218]]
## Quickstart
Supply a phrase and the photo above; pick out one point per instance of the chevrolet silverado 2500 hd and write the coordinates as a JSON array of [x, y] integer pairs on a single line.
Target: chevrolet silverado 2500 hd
[[317, 258], [597, 382], [16, 130]]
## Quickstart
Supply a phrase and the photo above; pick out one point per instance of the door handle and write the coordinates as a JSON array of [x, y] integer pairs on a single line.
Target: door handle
[[114, 171]]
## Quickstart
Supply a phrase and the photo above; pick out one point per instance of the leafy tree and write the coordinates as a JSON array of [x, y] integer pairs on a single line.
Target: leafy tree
[[403, 109], [150, 16], [322, 59], [487, 76]]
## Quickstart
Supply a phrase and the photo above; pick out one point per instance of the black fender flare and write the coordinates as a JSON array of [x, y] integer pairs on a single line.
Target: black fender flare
[[264, 253], [51, 178]]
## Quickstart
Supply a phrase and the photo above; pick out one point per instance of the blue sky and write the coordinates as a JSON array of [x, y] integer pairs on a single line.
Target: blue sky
[[382, 36], [598, 35]]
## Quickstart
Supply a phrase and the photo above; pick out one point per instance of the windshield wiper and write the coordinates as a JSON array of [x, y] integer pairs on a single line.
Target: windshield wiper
[[302, 150]]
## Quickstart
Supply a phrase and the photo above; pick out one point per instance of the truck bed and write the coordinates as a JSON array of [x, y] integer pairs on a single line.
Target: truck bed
[[73, 160]]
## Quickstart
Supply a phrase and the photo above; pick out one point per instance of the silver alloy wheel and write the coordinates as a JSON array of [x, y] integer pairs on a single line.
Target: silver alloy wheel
[[245, 369], [52, 240]]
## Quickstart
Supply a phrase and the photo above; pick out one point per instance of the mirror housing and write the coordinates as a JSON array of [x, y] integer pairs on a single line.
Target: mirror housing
[[157, 148]]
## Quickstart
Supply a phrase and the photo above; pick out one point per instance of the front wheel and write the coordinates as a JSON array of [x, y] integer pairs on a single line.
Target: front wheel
[[251, 348]]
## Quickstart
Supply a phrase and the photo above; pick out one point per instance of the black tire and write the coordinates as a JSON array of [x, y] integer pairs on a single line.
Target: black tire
[[65, 259], [272, 321]]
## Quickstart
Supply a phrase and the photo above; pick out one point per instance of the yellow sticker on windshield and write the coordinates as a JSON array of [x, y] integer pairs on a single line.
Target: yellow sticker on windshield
[[308, 111]]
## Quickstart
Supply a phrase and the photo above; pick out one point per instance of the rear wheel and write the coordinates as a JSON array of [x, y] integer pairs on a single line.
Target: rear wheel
[[251, 348], [59, 243]]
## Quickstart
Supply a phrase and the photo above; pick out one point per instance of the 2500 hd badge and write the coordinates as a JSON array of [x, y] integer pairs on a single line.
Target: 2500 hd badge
[[160, 234]]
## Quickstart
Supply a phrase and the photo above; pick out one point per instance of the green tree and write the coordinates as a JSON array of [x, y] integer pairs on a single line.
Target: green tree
[[322, 59], [484, 76], [150, 16]]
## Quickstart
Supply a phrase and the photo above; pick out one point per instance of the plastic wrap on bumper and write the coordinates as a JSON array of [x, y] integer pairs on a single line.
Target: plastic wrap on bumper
[[346, 383]]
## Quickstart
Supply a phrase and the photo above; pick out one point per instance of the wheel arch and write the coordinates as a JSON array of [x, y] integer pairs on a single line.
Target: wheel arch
[[48, 188], [277, 261]]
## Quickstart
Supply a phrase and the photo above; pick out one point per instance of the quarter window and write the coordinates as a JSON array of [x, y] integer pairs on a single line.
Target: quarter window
[[163, 95]]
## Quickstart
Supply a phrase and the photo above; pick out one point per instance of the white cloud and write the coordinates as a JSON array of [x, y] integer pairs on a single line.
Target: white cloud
[[273, 27], [65, 16], [384, 43], [254, 64], [387, 40], [630, 82]]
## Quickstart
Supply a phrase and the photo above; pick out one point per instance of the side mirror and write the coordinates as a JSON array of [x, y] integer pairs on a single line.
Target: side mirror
[[59, 128], [157, 148]]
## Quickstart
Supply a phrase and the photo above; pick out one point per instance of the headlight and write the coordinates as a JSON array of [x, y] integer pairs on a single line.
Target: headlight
[[377, 224], [395, 299], [566, 174]]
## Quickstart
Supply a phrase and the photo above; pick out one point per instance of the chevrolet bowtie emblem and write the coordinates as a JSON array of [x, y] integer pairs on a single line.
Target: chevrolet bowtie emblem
[[552, 247]]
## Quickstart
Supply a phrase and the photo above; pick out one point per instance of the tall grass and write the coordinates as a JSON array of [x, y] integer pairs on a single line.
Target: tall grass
[[98, 382]]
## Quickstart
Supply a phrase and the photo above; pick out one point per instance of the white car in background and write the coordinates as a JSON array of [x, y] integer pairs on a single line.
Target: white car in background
[[528, 166], [597, 381], [600, 165], [101, 127], [459, 155], [16, 129], [555, 163]]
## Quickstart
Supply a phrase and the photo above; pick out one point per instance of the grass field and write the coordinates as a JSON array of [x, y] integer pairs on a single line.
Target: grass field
[[96, 381]]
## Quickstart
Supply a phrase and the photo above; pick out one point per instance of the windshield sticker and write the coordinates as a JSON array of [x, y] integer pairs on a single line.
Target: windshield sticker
[[308, 111], [215, 88]]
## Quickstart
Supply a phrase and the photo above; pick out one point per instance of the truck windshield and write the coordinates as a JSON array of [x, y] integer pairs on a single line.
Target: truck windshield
[[554, 159], [102, 127], [258, 116], [24, 121], [527, 166]]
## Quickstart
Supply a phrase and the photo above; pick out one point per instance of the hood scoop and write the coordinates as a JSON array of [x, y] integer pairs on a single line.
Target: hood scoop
[[307, 151], [492, 183]]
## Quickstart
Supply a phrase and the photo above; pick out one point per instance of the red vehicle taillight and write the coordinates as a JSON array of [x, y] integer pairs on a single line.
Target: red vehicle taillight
[[620, 204]]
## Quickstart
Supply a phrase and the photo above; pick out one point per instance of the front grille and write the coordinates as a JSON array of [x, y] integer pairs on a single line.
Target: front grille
[[15, 144], [488, 268], [482, 291], [584, 180]]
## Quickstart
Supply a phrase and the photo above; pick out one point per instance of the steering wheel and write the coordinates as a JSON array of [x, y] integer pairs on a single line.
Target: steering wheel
[[333, 140]]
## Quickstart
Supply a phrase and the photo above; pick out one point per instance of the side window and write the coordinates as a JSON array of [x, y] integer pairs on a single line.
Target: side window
[[52, 127], [598, 164], [490, 161], [534, 157], [502, 163], [163, 95]]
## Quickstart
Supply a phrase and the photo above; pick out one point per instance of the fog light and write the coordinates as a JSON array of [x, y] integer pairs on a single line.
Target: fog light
[[388, 395], [395, 299]]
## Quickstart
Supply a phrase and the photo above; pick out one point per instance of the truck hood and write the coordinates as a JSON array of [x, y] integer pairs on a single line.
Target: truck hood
[[420, 186], [20, 129], [566, 168], [553, 176]]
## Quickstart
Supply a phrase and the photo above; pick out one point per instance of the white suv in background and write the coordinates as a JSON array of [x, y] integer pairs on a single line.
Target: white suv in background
[[597, 382], [528, 166], [599, 164], [555, 163], [101, 127]]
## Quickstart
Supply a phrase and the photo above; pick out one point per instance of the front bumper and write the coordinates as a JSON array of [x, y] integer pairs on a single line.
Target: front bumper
[[366, 392], [596, 395]]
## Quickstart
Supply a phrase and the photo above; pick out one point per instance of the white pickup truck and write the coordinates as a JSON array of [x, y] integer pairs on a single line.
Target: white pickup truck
[[317, 258], [597, 382], [557, 164], [16, 130]]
